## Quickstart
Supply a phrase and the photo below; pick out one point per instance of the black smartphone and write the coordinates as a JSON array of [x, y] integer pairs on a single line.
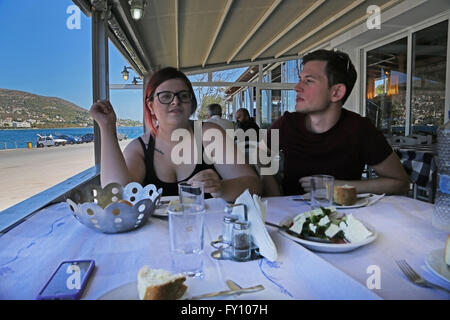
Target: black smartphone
[[68, 281]]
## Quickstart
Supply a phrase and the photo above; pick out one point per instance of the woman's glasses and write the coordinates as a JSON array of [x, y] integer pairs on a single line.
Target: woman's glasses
[[166, 97]]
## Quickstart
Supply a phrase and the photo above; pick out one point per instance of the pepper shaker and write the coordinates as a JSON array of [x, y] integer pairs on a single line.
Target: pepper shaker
[[241, 241]]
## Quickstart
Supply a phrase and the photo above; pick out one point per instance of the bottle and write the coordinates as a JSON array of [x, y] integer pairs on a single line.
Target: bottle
[[441, 213], [227, 228], [241, 241]]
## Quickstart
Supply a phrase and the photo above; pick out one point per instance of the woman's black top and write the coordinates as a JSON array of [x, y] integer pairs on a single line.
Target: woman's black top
[[169, 188]]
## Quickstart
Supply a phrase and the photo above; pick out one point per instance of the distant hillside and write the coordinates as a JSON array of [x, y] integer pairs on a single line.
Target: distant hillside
[[43, 112]]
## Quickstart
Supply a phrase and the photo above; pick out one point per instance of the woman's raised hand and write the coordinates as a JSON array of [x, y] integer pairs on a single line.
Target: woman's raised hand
[[102, 111]]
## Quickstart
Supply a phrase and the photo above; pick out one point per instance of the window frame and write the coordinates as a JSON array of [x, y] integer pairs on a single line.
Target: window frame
[[408, 34]]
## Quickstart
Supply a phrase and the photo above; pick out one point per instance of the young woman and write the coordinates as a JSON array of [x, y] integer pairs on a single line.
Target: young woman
[[169, 102]]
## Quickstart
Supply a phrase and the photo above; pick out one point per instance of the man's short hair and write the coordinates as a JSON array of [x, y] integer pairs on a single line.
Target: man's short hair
[[214, 109], [339, 69]]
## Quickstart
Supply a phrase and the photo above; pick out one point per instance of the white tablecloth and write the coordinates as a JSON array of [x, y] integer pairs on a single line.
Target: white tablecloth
[[31, 252]]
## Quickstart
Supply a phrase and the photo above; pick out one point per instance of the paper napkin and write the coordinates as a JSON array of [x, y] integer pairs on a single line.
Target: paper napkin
[[257, 211]]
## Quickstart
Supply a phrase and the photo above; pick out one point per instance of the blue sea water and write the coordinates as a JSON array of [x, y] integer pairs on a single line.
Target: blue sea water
[[18, 138]]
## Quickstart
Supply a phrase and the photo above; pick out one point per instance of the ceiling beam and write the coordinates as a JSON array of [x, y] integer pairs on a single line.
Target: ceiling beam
[[254, 29], [289, 27], [320, 27], [218, 29], [348, 27]]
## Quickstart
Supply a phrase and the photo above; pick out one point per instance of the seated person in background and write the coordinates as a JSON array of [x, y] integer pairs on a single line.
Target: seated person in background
[[215, 116], [244, 121], [169, 102], [323, 138]]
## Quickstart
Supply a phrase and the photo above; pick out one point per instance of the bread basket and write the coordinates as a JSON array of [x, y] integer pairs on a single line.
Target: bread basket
[[113, 209]]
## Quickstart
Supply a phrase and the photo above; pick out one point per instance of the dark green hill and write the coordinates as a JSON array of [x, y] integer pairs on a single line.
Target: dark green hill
[[43, 112]]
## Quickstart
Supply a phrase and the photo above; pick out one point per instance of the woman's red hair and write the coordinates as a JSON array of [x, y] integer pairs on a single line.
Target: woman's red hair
[[154, 81]]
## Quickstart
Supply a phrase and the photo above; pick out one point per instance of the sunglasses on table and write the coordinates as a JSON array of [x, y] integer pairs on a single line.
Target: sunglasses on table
[[167, 97]]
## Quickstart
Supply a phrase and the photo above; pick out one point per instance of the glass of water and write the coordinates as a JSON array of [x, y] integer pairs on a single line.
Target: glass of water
[[186, 230]]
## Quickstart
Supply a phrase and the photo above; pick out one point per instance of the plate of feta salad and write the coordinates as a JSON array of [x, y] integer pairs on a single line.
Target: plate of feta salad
[[326, 230]]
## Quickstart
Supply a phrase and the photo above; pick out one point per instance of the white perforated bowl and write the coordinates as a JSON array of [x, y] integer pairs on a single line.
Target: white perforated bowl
[[114, 209]]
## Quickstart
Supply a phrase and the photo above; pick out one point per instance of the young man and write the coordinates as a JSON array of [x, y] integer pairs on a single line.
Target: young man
[[323, 138]]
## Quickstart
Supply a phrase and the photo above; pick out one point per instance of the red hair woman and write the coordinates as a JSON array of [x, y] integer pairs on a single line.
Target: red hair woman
[[169, 103]]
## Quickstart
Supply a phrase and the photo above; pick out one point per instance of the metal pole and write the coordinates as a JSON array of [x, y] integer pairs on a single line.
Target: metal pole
[[100, 77]]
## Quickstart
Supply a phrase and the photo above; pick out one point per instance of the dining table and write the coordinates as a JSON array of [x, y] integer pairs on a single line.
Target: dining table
[[31, 251]]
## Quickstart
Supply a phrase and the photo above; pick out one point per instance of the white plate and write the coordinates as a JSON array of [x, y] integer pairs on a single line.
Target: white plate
[[128, 291], [436, 263], [161, 210], [362, 202], [125, 292], [363, 199], [332, 247], [196, 287]]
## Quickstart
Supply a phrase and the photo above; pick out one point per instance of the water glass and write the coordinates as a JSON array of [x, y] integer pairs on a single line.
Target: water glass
[[186, 231], [441, 212], [322, 189], [191, 193]]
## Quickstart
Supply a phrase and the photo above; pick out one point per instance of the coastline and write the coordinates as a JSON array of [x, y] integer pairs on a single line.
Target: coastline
[[26, 172]]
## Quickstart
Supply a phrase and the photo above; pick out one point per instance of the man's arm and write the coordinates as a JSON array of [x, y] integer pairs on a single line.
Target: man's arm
[[392, 178]]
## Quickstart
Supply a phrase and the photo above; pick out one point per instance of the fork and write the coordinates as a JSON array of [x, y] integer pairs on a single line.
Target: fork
[[415, 278]]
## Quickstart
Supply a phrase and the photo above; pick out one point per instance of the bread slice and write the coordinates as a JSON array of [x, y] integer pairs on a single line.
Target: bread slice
[[345, 195], [447, 251], [159, 284]]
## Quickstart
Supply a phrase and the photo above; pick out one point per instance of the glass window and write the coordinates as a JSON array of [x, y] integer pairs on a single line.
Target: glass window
[[428, 78], [270, 107], [386, 86]]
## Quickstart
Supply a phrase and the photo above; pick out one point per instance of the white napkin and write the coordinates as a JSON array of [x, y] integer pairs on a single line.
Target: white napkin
[[256, 211]]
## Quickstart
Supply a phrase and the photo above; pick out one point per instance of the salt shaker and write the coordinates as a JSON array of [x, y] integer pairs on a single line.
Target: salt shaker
[[241, 240], [227, 228]]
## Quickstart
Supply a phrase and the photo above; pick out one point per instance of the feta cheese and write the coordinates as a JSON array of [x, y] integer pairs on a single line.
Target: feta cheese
[[317, 212], [332, 230], [298, 225], [354, 230], [324, 221], [312, 227]]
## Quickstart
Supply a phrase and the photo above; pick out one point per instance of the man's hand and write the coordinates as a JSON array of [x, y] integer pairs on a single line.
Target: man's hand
[[305, 182]]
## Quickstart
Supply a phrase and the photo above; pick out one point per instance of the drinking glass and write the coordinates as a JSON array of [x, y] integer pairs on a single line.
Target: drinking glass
[[322, 189], [191, 193], [186, 231]]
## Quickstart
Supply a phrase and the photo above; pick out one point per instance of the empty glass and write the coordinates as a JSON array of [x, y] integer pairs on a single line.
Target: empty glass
[[191, 193], [322, 189]]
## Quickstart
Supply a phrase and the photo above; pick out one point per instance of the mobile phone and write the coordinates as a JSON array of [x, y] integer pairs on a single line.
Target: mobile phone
[[68, 281]]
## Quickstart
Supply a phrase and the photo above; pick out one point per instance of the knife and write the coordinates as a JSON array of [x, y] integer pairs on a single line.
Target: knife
[[227, 292]]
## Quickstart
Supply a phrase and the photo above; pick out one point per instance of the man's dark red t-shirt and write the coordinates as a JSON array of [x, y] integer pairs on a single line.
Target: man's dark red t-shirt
[[340, 152]]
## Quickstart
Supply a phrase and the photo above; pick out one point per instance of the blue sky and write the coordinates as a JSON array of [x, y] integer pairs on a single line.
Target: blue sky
[[41, 55]]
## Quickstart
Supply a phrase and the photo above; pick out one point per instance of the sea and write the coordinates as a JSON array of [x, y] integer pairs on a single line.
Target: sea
[[19, 138]]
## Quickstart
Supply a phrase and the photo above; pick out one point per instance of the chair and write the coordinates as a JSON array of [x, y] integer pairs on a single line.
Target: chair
[[403, 140], [421, 139]]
